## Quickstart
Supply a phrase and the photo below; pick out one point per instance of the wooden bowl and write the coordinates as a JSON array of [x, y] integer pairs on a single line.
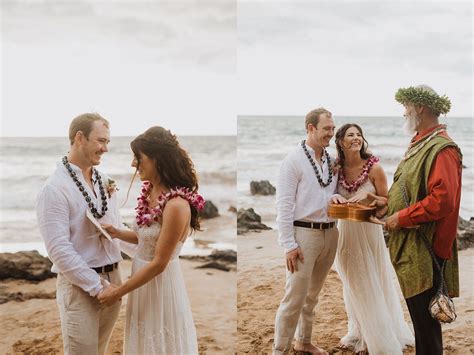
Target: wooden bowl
[[352, 212]]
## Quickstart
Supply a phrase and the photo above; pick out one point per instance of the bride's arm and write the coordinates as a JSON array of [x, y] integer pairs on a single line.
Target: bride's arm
[[123, 234], [379, 199], [176, 216]]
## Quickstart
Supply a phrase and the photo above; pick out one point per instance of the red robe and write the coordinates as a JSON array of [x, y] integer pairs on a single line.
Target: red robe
[[442, 201]]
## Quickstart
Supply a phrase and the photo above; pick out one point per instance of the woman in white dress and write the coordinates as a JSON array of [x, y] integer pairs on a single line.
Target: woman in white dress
[[159, 318], [376, 323]]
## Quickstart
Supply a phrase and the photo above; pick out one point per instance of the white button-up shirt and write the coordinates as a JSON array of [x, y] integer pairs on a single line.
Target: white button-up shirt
[[299, 194], [72, 242]]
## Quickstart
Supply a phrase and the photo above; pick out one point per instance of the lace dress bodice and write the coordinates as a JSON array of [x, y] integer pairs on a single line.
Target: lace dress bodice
[[366, 186], [147, 238]]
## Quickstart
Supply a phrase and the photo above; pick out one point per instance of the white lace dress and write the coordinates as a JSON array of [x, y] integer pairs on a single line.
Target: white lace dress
[[159, 318], [371, 299]]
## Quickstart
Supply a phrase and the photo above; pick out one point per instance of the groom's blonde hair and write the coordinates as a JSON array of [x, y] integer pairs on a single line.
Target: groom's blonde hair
[[84, 123], [313, 116]]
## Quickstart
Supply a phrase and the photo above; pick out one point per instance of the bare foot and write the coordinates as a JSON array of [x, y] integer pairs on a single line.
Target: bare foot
[[344, 347], [309, 348]]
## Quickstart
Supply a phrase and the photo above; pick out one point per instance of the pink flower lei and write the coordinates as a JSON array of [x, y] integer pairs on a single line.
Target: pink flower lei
[[354, 186], [146, 216]]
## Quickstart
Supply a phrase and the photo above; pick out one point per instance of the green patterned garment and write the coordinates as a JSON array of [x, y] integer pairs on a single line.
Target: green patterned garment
[[410, 257]]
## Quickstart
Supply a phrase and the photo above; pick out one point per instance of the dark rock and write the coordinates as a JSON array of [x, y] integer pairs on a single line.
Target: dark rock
[[232, 209], [262, 187], [20, 296], [228, 255], [213, 265], [210, 210], [247, 220], [125, 256], [27, 265], [465, 235], [463, 223]]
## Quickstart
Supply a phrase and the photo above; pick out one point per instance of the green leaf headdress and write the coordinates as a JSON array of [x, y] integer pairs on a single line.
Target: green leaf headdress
[[425, 96]]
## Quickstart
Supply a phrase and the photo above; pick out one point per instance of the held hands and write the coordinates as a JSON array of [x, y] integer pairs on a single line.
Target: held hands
[[109, 295], [292, 259]]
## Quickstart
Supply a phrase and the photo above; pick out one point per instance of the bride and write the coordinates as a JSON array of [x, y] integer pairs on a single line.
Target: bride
[[376, 323], [159, 319]]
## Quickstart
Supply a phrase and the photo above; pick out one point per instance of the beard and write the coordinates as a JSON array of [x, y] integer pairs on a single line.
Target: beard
[[410, 125]]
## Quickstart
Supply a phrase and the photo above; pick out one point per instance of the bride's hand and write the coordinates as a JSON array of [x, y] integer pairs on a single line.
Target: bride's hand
[[109, 295], [363, 195], [114, 232]]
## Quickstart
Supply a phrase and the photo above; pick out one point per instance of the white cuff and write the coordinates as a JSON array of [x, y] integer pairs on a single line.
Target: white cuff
[[290, 247]]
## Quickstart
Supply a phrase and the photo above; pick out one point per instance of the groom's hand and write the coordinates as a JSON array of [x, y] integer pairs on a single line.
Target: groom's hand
[[292, 259]]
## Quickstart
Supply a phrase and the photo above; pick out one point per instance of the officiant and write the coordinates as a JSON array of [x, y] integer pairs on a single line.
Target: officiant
[[426, 192]]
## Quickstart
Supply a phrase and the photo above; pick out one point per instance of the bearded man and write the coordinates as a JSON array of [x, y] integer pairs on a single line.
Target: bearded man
[[424, 200]]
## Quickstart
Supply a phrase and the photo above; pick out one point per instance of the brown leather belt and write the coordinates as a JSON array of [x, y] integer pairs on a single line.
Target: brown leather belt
[[105, 268], [314, 225]]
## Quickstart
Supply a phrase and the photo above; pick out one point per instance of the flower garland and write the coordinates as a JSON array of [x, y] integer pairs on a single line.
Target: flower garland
[[147, 215], [416, 146], [364, 175]]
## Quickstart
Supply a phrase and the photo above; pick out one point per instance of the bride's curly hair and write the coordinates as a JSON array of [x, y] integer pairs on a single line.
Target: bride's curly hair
[[172, 162], [341, 132]]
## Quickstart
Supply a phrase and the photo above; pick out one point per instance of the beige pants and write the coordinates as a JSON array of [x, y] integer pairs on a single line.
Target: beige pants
[[296, 311], [86, 325]]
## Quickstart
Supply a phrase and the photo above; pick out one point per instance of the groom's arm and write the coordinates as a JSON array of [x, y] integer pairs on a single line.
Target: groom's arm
[[52, 211], [287, 185]]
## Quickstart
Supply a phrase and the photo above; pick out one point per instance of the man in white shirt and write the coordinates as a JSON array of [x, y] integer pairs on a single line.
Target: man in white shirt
[[305, 187], [82, 258]]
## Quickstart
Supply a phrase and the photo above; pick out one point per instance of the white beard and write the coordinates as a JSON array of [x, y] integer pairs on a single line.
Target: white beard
[[410, 125]]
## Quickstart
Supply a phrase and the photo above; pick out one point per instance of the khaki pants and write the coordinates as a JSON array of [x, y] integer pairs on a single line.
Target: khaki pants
[[86, 325], [296, 311]]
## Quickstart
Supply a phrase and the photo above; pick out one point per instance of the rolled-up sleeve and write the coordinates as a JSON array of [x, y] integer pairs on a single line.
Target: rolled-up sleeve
[[285, 203], [53, 219]]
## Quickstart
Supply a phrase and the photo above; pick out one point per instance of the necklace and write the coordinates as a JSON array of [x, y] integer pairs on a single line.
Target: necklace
[[354, 186], [315, 168], [147, 215], [416, 147], [81, 188]]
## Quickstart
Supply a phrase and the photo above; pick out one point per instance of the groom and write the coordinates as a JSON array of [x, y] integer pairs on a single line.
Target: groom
[[305, 186], [82, 259]]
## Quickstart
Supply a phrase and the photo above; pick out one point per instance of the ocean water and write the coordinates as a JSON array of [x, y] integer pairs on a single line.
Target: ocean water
[[27, 162], [264, 141]]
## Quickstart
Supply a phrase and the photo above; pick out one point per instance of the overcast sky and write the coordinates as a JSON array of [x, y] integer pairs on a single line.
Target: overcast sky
[[351, 57], [192, 66], [137, 63]]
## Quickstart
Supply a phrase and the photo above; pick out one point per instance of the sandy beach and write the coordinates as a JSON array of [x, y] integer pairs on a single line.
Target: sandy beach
[[260, 283], [33, 326]]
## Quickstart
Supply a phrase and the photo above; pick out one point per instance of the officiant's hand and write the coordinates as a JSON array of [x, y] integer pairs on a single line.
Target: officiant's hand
[[392, 223], [292, 259], [109, 295], [114, 232]]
